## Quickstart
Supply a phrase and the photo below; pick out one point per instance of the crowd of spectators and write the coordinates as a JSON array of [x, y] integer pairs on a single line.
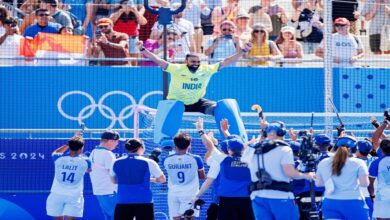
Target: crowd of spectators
[[214, 28]]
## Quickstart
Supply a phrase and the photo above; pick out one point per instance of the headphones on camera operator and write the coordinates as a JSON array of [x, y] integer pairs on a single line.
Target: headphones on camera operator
[[265, 180]]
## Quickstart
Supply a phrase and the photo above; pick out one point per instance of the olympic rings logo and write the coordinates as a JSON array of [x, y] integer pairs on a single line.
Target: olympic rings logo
[[105, 110]]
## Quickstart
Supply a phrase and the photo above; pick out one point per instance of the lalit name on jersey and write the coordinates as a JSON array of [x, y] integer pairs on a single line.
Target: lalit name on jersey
[[69, 167]]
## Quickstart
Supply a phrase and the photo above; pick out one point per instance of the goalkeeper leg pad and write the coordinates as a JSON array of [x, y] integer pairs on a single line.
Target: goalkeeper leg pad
[[228, 108], [168, 119]]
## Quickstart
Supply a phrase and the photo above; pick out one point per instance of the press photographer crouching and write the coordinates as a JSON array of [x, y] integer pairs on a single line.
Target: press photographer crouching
[[271, 165]]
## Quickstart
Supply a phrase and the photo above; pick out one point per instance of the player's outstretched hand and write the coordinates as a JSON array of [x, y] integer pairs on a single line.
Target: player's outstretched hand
[[199, 124], [224, 123]]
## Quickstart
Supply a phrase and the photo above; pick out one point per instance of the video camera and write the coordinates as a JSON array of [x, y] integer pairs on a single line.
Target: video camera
[[197, 205], [308, 154], [155, 154]]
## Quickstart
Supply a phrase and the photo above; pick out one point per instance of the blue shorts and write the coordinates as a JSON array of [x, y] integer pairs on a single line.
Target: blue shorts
[[107, 204], [275, 209], [345, 209]]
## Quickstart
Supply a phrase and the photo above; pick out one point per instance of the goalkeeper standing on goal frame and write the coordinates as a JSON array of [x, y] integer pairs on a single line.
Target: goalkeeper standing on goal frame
[[188, 85]]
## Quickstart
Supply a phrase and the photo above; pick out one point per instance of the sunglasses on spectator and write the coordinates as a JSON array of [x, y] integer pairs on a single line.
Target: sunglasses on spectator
[[340, 25], [42, 15], [258, 31], [227, 29], [103, 26]]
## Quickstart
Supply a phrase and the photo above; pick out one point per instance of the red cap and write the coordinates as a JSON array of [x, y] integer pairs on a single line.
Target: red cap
[[342, 21]]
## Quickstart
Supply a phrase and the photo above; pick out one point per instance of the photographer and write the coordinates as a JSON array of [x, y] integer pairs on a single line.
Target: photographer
[[10, 42], [342, 175], [224, 45], [133, 174], [271, 164]]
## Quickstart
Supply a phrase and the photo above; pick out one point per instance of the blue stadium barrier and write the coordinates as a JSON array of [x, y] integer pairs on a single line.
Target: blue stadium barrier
[[56, 97]]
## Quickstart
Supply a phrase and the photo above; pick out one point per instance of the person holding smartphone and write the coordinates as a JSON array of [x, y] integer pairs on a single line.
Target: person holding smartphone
[[113, 44], [225, 44], [10, 42]]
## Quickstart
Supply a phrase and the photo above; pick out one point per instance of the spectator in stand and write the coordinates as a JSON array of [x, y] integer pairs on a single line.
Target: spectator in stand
[[184, 27], [29, 6], [277, 14], [66, 31], [156, 46], [192, 13], [288, 45], [59, 16], [113, 44], [346, 9], [146, 30], [103, 7], [309, 24], [263, 50], [126, 20], [10, 42], [243, 30], [258, 15], [346, 48], [220, 14], [224, 45], [3, 15], [43, 25], [378, 14], [83, 10]]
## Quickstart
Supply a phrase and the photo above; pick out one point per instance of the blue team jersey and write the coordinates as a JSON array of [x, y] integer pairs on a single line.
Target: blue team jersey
[[234, 178], [183, 173], [69, 174], [380, 169], [133, 174]]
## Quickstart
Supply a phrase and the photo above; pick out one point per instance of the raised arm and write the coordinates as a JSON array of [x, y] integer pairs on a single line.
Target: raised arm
[[235, 57], [231, 59], [157, 60], [61, 149]]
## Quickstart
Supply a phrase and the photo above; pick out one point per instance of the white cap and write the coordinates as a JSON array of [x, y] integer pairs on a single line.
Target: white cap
[[288, 29]]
